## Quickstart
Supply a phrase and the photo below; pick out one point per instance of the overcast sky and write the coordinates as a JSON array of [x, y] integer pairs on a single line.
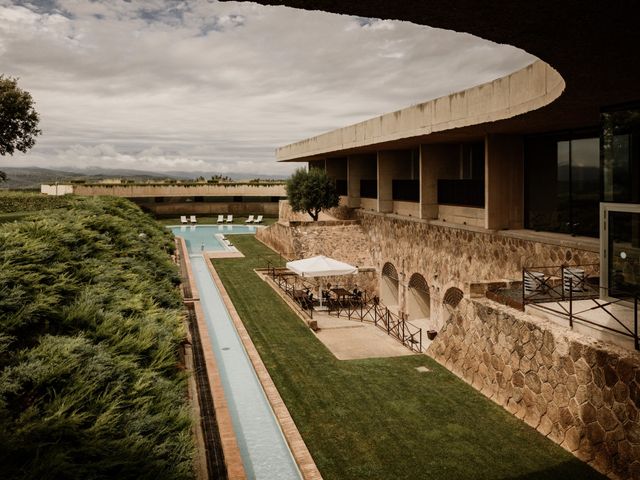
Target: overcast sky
[[205, 86]]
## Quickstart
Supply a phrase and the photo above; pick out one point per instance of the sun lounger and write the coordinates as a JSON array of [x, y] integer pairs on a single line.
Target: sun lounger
[[249, 220], [183, 219], [193, 219], [229, 218], [258, 220], [220, 218]]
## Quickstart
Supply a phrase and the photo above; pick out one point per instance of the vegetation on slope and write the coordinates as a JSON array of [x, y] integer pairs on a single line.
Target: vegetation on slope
[[11, 202], [90, 327], [380, 418]]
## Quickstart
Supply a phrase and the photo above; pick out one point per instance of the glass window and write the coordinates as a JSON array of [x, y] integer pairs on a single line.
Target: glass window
[[621, 155], [562, 184]]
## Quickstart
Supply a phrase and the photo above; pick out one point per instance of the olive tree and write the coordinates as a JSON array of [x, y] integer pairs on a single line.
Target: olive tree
[[311, 191], [18, 119]]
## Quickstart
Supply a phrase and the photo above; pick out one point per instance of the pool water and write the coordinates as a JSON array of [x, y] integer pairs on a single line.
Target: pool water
[[264, 450], [201, 238]]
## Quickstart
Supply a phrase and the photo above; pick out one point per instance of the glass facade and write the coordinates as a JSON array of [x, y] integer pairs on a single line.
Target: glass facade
[[621, 155], [562, 183], [623, 259]]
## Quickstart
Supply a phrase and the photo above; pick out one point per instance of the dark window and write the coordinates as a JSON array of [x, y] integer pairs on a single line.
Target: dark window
[[368, 188], [341, 187], [467, 193], [406, 190], [562, 183]]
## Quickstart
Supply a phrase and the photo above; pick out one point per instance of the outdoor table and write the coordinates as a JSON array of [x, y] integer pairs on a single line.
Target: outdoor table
[[341, 292]]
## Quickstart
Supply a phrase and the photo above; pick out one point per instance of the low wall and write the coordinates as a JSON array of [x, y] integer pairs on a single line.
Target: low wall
[[285, 214], [582, 394]]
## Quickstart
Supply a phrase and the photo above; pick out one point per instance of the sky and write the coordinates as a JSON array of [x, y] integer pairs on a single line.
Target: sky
[[203, 86]]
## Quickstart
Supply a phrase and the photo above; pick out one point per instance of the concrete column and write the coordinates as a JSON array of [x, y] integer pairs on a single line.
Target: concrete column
[[436, 161], [355, 171], [393, 164], [504, 182]]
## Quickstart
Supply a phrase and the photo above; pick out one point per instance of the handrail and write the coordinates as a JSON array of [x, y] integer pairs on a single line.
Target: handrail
[[549, 288]]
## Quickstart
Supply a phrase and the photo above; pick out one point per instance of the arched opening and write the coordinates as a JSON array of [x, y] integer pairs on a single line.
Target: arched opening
[[418, 298], [389, 291], [452, 297]]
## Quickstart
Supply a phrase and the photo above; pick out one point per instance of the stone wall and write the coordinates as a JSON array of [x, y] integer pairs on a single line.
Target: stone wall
[[582, 394], [340, 239], [456, 256], [285, 214]]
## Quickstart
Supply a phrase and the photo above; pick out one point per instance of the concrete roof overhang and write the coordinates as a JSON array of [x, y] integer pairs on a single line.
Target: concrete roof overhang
[[593, 45]]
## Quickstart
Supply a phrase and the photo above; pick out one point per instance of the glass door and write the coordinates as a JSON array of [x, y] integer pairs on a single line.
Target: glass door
[[620, 250]]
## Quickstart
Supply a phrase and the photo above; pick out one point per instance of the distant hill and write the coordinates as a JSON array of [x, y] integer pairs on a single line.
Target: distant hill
[[33, 177]]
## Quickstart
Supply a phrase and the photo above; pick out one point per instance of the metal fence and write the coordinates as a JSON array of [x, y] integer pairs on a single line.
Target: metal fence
[[557, 289]]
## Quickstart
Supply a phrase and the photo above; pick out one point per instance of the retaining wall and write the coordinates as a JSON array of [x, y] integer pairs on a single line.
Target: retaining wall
[[582, 394]]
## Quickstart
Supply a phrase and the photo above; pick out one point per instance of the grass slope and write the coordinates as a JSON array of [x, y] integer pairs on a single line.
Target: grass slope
[[380, 418]]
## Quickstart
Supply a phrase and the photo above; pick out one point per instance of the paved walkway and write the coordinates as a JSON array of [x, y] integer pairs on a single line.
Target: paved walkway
[[349, 340]]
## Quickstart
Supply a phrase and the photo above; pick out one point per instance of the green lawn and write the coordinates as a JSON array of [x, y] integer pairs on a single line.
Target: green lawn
[[380, 418], [204, 220]]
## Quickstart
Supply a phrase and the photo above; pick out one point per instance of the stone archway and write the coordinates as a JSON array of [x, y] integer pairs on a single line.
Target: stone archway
[[452, 297], [450, 301], [418, 298], [389, 286]]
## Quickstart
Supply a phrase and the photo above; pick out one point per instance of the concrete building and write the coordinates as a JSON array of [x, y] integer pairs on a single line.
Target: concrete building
[[534, 177], [172, 199]]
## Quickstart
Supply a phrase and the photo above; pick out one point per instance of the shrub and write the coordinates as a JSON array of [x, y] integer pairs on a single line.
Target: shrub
[[90, 317]]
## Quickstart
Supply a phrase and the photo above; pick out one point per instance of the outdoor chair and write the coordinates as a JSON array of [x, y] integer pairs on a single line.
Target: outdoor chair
[[249, 219], [258, 220], [193, 219], [229, 218], [220, 218], [183, 219]]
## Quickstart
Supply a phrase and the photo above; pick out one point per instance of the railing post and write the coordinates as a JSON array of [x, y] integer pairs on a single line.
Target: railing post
[[523, 298], [562, 283], [570, 297], [635, 322]]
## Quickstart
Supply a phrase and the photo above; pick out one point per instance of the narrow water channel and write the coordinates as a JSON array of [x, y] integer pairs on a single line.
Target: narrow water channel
[[264, 450]]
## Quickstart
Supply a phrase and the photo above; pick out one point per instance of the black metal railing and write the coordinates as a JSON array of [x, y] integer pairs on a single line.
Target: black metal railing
[[405, 190], [295, 288], [557, 289], [464, 193], [368, 188], [370, 309], [360, 306]]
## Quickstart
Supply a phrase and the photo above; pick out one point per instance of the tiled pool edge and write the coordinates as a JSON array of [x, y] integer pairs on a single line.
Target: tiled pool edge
[[298, 448], [232, 457]]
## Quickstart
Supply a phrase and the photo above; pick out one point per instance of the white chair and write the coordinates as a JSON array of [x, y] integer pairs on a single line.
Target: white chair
[[193, 219], [183, 219], [229, 218], [249, 220], [258, 220], [220, 218]]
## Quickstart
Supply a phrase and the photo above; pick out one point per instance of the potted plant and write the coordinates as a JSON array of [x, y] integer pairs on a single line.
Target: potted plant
[[431, 334]]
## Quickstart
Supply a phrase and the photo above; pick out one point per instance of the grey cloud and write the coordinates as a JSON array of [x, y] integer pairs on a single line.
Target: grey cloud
[[219, 83]]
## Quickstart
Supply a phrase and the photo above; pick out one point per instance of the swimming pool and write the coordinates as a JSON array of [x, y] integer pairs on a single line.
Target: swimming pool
[[201, 238], [264, 450]]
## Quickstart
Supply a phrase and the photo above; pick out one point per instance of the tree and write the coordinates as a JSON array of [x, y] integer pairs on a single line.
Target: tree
[[311, 191], [18, 119]]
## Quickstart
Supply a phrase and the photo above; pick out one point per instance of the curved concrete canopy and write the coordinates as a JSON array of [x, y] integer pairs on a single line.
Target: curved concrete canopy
[[592, 44]]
